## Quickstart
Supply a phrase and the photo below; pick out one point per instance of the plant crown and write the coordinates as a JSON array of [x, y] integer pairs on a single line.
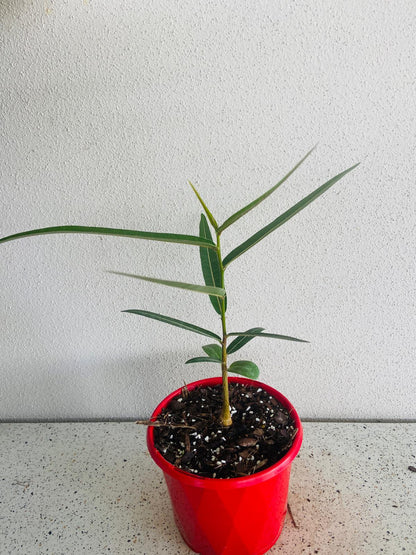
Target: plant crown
[[213, 269]]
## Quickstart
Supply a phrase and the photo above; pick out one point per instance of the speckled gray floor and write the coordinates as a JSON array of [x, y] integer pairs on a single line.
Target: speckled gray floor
[[92, 487]]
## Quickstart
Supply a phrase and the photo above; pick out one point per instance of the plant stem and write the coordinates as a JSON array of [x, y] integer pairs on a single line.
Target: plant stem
[[225, 418]]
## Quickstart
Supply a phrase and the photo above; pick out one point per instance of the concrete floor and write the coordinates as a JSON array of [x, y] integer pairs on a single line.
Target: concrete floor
[[69, 488]]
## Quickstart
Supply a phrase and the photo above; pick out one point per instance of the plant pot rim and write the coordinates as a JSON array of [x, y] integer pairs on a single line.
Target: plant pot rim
[[244, 481]]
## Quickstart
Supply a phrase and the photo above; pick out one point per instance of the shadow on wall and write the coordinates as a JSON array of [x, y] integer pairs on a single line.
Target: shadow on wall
[[119, 389]]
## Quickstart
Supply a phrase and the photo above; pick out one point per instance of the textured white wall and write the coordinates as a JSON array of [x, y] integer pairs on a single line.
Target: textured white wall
[[109, 107]]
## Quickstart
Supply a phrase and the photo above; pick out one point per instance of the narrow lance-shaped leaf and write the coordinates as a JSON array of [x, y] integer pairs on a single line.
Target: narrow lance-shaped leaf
[[174, 322], [245, 368], [134, 234], [283, 218], [218, 292], [210, 264], [214, 351], [242, 340], [253, 204], [205, 207], [202, 359], [252, 335]]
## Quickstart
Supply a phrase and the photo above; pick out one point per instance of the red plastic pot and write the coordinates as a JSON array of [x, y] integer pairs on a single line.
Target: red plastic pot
[[236, 516]]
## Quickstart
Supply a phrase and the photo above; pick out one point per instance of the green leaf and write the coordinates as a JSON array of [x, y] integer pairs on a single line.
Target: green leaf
[[251, 334], [166, 237], [283, 218], [241, 340], [202, 359], [245, 368], [253, 204], [214, 351], [218, 292], [205, 207], [174, 322], [210, 265]]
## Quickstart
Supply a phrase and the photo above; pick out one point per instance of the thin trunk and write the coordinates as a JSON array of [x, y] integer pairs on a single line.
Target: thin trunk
[[225, 418]]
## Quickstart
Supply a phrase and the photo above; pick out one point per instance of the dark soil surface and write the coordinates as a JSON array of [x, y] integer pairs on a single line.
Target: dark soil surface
[[189, 436]]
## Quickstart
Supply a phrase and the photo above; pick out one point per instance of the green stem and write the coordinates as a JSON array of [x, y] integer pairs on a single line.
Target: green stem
[[225, 412]]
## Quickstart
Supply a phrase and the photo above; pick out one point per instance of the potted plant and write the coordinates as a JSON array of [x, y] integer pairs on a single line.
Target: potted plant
[[225, 444]]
